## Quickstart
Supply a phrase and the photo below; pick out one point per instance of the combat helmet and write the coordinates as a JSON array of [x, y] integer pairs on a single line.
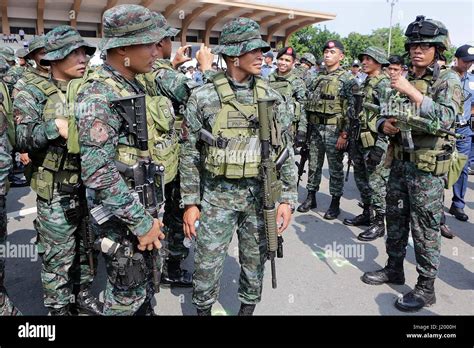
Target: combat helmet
[[309, 57], [427, 31]]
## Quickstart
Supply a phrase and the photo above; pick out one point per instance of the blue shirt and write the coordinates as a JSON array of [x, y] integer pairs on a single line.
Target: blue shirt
[[267, 70], [467, 84]]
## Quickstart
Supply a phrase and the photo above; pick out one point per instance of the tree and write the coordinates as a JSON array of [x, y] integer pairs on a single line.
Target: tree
[[379, 38], [354, 44], [312, 39]]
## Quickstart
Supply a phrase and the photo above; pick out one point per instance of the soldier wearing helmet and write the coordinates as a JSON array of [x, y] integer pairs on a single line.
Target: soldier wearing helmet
[[417, 179]]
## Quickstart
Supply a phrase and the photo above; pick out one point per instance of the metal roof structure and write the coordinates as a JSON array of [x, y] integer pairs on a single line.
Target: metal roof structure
[[198, 20]]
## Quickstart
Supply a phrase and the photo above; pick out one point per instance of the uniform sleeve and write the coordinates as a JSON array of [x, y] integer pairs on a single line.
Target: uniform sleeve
[[5, 157], [288, 175], [98, 136], [300, 96], [441, 110], [189, 162], [347, 99], [32, 132]]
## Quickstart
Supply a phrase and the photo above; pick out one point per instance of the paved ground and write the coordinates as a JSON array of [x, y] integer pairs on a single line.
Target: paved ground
[[311, 281]]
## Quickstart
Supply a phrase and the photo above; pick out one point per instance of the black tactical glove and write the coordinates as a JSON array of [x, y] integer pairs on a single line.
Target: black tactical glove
[[2, 201], [374, 158], [300, 139]]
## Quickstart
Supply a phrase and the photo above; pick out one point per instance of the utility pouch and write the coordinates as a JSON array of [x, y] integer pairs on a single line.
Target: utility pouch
[[42, 182], [367, 139]]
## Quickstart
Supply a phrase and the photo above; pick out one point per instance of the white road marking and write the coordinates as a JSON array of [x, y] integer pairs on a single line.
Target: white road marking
[[21, 212]]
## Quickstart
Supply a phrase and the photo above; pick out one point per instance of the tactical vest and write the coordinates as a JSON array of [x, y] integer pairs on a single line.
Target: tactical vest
[[325, 98], [368, 118], [432, 152], [283, 86], [236, 122], [163, 145], [7, 106], [55, 167], [149, 81]]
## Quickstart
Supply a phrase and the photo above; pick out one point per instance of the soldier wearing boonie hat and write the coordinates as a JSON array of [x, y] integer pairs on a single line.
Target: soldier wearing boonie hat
[[166, 80], [33, 69], [232, 190], [41, 111], [129, 40]]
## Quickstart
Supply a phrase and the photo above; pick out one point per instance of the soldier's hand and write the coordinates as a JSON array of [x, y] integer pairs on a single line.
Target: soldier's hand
[[191, 215], [24, 158], [283, 216], [341, 143], [180, 57], [205, 58], [401, 84], [62, 125], [151, 240], [389, 127]]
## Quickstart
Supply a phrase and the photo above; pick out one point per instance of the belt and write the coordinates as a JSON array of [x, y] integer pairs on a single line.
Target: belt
[[315, 119]]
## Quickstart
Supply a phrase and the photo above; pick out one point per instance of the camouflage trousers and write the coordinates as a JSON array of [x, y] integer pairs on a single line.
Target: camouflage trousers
[[372, 184], [414, 201], [213, 238], [6, 305], [65, 262], [173, 221], [323, 141], [120, 300]]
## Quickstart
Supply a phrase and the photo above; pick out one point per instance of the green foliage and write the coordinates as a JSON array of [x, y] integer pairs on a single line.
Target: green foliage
[[311, 39]]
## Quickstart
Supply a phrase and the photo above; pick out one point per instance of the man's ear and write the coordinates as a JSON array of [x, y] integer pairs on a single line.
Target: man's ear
[[121, 50]]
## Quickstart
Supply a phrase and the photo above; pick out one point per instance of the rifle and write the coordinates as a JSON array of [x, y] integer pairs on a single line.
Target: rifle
[[271, 184], [407, 120], [143, 173], [354, 125], [304, 156]]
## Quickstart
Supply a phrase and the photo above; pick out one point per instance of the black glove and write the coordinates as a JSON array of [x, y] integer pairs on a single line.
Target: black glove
[[374, 158], [2, 201], [300, 139]]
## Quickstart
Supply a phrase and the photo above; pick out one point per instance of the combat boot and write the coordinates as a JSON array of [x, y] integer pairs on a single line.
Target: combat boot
[[246, 310], [309, 202], [333, 211], [446, 231], [392, 273], [423, 295], [63, 311], [362, 219], [376, 230], [85, 303], [174, 275], [204, 312]]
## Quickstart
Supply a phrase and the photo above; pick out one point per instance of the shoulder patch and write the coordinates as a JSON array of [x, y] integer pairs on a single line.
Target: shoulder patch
[[99, 132]]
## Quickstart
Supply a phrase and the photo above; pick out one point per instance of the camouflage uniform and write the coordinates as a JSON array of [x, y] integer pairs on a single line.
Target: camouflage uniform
[[6, 306], [308, 75], [368, 153], [416, 182], [329, 98], [55, 179], [229, 204], [30, 72], [293, 89], [164, 80], [102, 136]]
